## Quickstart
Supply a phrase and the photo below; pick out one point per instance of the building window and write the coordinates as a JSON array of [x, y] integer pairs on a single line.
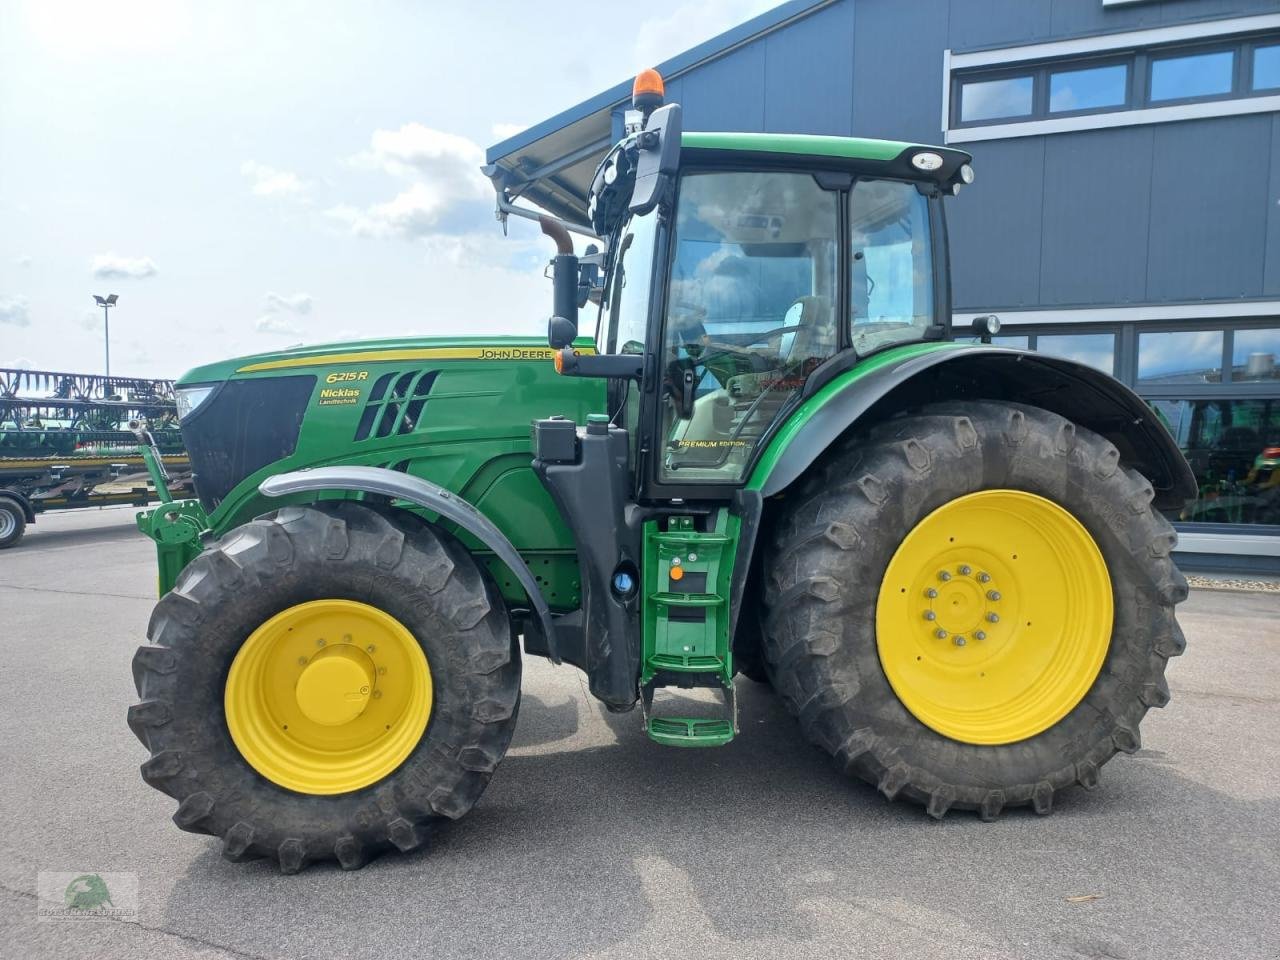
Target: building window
[[1097, 350], [1233, 446], [1183, 357], [1266, 68], [1219, 68], [1254, 355], [996, 99], [1196, 75], [1090, 88]]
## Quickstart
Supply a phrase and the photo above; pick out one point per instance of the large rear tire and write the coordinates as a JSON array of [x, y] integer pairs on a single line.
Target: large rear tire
[[890, 562], [326, 683]]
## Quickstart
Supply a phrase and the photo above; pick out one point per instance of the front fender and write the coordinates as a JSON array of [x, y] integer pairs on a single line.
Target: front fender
[[898, 380], [401, 486]]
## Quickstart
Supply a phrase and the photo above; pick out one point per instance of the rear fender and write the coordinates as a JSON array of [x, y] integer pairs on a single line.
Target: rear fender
[[858, 398]]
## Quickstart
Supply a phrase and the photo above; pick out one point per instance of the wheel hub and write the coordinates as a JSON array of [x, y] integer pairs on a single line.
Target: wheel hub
[[994, 617], [335, 685]]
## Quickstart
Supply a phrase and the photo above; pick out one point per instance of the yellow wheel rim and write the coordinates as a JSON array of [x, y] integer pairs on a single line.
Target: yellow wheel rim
[[328, 696], [994, 617]]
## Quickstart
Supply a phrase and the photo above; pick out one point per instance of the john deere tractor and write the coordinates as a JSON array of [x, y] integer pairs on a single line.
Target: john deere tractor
[[751, 444]]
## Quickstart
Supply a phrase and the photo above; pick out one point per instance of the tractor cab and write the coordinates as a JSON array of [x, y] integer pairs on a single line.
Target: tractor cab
[[739, 274]]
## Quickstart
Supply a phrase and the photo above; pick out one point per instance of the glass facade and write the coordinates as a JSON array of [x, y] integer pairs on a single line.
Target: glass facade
[[1197, 75], [1089, 89], [997, 99], [1215, 386], [1266, 68]]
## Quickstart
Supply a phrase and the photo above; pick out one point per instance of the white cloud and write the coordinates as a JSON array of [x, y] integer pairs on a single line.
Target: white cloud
[[449, 161], [13, 311], [18, 363], [278, 323], [108, 266], [293, 303], [446, 194], [267, 181], [23, 261], [661, 38]]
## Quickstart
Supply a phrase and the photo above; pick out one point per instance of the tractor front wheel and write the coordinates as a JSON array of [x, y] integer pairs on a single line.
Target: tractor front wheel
[[326, 683], [972, 607]]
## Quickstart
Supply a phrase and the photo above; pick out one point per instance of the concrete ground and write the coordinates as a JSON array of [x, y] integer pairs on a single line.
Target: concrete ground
[[592, 842]]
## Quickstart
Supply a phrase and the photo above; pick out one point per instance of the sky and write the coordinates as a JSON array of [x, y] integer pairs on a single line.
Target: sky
[[248, 176]]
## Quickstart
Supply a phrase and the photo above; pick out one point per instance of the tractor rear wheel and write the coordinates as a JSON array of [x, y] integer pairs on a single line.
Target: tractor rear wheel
[[326, 683], [972, 607]]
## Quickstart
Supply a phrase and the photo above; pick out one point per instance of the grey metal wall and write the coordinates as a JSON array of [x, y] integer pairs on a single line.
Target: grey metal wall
[[1172, 212]]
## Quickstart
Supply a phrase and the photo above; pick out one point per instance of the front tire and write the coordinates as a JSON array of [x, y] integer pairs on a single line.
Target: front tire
[[885, 525], [262, 688]]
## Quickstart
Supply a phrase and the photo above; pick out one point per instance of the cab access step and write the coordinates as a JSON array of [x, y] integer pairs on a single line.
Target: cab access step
[[686, 623]]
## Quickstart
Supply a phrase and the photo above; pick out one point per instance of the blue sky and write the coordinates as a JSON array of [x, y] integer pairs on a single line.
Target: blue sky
[[247, 176]]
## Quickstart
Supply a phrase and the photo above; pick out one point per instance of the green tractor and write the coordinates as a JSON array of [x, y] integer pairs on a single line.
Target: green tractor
[[767, 454]]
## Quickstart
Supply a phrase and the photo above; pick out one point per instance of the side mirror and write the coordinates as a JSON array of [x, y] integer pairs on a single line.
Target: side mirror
[[562, 328], [658, 157]]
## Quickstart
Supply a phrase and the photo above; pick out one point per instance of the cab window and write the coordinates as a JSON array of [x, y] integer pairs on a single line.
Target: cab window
[[751, 311], [891, 264], [625, 312]]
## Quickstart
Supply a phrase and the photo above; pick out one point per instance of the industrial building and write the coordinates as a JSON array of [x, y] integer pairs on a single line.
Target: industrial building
[[1127, 205]]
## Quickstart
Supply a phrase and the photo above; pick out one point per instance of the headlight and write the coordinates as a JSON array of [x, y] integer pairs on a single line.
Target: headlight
[[966, 173], [189, 398], [928, 162]]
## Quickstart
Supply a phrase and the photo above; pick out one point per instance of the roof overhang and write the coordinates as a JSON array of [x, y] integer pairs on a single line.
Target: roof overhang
[[551, 163]]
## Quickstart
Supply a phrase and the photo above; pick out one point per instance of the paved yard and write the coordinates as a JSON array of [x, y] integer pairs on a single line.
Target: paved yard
[[593, 842]]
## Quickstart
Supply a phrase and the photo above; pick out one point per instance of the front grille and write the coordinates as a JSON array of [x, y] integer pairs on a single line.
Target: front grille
[[244, 426]]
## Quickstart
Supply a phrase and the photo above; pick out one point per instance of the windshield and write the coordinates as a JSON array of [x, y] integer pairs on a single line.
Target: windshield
[[750, 313]]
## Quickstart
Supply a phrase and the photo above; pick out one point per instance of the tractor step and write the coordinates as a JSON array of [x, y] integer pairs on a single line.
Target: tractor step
[[691, 731], [687, 732]]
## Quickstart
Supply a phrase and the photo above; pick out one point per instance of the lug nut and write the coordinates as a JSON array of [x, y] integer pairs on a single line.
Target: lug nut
[[944, 575], [320, 642], [382, 671], [984, 578], [959, 641], [979, 635], [370, 648], [993, 594], [993, 617], [377, 694], [302, 661], [346, 638], [940, 634], [965, 569], [931, 593], [930, 615]]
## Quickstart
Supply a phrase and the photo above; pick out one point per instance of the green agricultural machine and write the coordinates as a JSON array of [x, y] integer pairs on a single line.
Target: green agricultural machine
[[765, 452]]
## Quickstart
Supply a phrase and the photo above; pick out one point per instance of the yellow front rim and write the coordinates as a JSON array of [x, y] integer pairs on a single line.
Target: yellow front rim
[[994, 617], [328, 696]]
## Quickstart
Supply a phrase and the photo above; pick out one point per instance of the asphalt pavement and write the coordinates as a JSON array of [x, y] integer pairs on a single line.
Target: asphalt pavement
[[593, 842]]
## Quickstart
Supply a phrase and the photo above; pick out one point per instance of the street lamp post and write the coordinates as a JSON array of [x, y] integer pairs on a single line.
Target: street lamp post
[[106, 303]]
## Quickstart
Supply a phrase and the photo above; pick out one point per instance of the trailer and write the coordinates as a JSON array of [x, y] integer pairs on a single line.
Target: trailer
[[72, 440]]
